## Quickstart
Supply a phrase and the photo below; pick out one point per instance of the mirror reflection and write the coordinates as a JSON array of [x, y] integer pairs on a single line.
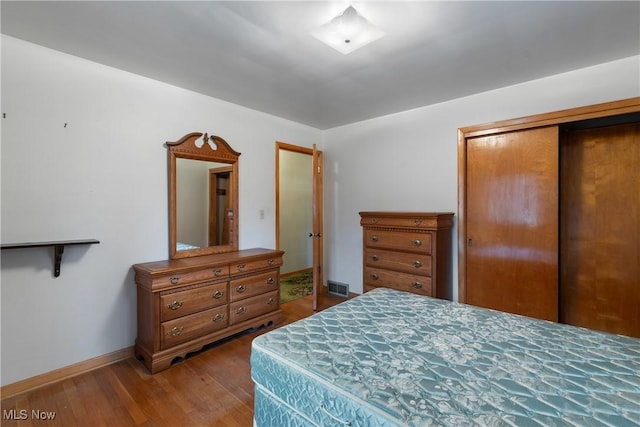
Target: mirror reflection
[[204, 204]]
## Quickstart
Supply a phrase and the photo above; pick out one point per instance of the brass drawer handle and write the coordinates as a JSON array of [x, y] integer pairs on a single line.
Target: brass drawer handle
[[240, 289], [217, 272], [175, 331], [417, 264], [217, 294], [175, 305], [375, 257], [374, 276], [241, 310], [417, 285], [416, 242], [375, 238], [241, 267], [271, 301], [271, 281], [218, 317], [174, 280], [271, 261]]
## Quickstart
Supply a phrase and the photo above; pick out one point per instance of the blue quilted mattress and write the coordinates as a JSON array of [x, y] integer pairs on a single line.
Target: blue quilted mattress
[[390, 358]]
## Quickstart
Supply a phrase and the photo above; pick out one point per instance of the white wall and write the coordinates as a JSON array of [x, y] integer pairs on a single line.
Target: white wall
[[103, 176], [408, 161]]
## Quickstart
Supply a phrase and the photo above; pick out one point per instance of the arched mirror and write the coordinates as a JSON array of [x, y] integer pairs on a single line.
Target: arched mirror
[[203, 196]]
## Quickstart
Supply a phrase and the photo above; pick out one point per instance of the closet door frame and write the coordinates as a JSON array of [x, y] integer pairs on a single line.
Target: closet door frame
[[631, 105]]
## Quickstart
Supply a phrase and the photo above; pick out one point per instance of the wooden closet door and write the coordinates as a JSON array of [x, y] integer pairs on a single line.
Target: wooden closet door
[[512, 222], [600, 237]]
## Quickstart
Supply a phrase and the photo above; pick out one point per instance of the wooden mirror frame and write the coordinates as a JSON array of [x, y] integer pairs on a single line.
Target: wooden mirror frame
[[209, 148]]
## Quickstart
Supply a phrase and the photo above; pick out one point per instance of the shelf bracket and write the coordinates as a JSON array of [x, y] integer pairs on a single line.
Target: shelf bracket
[[59, 249]]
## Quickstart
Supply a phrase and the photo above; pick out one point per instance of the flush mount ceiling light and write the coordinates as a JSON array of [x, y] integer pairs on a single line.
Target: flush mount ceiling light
[[348, 31]]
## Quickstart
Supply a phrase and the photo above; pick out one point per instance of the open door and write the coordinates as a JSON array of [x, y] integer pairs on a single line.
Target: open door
[[318, 250]]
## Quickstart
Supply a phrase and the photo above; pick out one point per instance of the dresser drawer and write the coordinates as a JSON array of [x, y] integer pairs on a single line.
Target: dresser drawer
[[177, 304], [193, 326], [412, 263], [400, 281], [254, 285], [398, 222], [191, 277], [261, 264], [252, 307], [405, 241]]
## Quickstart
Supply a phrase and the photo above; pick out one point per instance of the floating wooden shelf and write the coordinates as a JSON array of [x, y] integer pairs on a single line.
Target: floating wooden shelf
[[58, 246]]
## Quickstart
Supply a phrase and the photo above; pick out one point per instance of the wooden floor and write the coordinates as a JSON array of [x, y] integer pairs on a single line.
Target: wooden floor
[[214, 388]]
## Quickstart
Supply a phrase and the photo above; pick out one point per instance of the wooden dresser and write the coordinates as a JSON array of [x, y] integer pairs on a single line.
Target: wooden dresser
[[408, 251], [184, 304]]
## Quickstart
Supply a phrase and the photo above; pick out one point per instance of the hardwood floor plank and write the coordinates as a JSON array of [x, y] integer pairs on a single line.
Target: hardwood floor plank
[[211, 388]]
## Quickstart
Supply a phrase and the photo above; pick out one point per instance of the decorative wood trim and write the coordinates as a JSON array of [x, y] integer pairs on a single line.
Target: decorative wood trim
[[607, 109], [56, 375], [462, 216], [630, 105], [203, 148]]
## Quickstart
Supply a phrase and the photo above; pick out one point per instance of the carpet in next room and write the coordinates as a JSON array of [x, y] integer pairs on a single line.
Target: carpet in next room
[[296, 286]]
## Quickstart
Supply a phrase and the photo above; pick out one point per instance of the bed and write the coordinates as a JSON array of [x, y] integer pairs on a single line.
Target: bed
[[391, 358]]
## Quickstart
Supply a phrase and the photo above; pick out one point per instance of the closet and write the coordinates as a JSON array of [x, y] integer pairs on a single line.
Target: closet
[[549, 216]]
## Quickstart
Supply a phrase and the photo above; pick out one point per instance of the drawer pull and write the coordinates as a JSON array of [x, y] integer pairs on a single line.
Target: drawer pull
[[416, 285], [416, 242], [241, 310], [374, 220], [417, 222], [218, 317], [374, 276], [375, 257], [240, 289], [271, 301], [375, 238], [174, 280], [271, 281], [417, 264], [217, 294], [175, 305], [241, 267], [175, 331], [271, 261], [217, 272]]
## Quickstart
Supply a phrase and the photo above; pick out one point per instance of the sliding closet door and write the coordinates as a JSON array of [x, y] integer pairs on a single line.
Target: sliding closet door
[[512, 222], [600, 237]]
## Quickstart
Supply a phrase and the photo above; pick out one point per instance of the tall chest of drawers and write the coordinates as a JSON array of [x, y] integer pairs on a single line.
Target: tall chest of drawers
[[184, 304], [408, 251]]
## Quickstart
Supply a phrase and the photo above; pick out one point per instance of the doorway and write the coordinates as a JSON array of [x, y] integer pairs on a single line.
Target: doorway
[[299, 212]]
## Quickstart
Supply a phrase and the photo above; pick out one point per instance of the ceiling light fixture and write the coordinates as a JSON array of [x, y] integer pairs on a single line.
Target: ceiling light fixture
[[348, 31]]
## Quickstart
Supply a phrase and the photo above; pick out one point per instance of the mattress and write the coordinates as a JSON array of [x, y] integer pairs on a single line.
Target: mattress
[[391, 358]]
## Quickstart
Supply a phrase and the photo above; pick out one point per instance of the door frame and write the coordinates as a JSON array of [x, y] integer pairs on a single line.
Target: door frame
[[630, 105], [317, 206]]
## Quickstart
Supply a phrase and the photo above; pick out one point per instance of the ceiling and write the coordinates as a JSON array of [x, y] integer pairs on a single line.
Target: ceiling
[[261, 54]]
